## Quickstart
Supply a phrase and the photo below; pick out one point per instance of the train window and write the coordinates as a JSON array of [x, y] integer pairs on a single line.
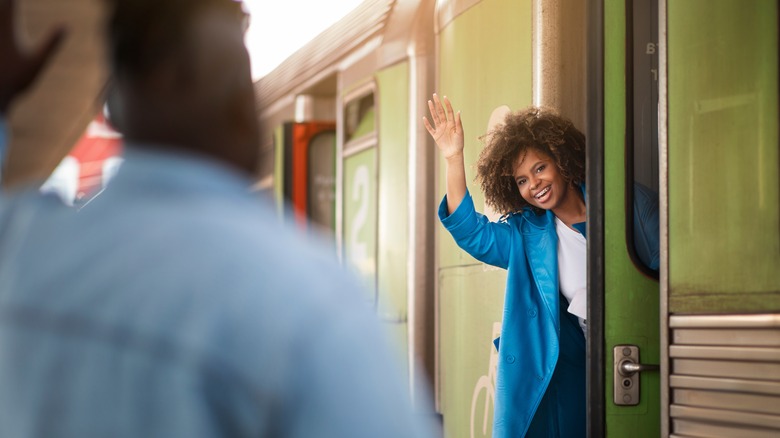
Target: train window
[[724, 151], [642, 134], [359, 117], [360, 182], [322, 180]]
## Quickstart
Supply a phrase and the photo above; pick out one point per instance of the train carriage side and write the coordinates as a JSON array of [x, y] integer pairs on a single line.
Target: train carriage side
[[493, 56], [369, 73]]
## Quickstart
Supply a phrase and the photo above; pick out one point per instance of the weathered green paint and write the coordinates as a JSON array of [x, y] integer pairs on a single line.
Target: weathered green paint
[[279, 168], [631, 300], [724, 189], [485, 61], [470, 320], [393, 225], [360, 217], [398, 334]]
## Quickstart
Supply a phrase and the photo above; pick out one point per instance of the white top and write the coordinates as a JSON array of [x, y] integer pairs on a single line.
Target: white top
[[572, 270]]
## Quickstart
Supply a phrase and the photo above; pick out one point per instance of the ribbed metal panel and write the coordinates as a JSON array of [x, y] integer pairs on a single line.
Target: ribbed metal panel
[[320, 54], [725, 376]]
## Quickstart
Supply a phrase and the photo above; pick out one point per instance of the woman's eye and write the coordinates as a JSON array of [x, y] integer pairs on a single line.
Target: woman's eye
[[540, 168], [520, 182]]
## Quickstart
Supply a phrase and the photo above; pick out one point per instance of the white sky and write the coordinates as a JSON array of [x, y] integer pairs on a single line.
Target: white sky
[[280, 27]]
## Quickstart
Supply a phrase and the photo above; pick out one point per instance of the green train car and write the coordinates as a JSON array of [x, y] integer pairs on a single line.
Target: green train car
[[680, 96]]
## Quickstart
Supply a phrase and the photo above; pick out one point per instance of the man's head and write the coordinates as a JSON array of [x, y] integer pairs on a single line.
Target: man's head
[[182, 77]]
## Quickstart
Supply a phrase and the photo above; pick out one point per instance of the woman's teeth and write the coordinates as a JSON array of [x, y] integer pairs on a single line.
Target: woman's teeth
[[542, 193]]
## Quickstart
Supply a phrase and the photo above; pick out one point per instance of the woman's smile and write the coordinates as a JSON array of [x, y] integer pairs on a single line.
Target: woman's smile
[[542, 195]]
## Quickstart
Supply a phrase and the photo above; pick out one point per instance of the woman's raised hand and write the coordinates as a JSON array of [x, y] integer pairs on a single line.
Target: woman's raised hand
[[447, 129]]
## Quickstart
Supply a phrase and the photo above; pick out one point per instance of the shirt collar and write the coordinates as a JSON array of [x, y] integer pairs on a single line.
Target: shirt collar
[[148, 167]]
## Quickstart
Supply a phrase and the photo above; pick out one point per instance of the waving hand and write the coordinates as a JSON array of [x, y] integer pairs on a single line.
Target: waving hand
[[447, 129], [447, 132]]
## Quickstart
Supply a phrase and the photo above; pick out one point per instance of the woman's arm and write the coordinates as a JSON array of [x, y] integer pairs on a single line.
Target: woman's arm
[[447, 132], [486, 241]]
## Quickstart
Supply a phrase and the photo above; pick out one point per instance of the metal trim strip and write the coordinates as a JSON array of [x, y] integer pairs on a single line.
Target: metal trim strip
[[727, 369], [761, 354], [723, 384], [724, 321], [725, 416], [361, 144], [692, 428], [732, 401], [727, 337]]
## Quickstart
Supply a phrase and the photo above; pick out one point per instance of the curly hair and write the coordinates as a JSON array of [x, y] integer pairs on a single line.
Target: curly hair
[[532, 128]]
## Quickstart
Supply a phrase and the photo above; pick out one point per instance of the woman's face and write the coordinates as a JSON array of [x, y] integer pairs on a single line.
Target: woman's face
[[539, 181]]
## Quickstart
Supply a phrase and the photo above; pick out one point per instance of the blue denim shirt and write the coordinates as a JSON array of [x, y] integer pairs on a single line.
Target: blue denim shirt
[[178, 305], [3, 142]]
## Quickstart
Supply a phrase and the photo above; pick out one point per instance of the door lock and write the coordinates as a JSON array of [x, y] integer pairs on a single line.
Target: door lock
[[626, 374]]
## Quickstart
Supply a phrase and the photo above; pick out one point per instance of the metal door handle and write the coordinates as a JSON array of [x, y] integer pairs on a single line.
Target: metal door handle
[[626, 374], [628, 367]]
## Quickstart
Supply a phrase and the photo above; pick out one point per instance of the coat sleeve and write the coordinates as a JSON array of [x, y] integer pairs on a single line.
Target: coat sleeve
[[486, 241]]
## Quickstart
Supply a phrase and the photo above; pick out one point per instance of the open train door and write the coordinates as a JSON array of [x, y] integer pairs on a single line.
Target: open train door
[[306, 170], [711, 323], [721, 219], [622, 174]]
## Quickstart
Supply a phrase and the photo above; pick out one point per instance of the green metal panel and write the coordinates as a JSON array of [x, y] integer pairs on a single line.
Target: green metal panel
[[279, 168], [393, 238], [470, 320], [724, 219], [398, 334], [485, 62], [360, 178], [631, 300], [366, 125]]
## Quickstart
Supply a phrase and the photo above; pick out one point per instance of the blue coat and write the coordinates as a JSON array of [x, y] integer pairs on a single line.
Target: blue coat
[[540, 382], [526, 245]]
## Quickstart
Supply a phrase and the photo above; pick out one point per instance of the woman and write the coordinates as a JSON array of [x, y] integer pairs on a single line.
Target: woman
[[531, 171]]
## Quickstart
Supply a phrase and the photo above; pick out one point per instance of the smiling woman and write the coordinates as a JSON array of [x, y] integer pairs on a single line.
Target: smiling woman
[[278, 29]]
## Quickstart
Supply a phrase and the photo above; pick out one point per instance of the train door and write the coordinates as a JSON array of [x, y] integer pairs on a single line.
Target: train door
[[359, 197], [306, 166], [622, 218], [721, 288]]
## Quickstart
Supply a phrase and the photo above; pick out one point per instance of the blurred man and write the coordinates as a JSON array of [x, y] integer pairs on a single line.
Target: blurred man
[[177, 305]]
